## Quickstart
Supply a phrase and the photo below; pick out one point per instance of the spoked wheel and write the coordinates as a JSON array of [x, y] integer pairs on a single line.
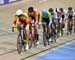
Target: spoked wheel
[[62, 32], [53, 39], [62, 28], [70, 27], [19, 44], [44, 39], [24, 46], [74, 26], [30, 42], [36, 39]]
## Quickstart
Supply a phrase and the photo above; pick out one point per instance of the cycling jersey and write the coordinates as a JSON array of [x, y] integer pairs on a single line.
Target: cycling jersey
[[34, 15], [70, 14], [61, 15], [54, 17], [47, 15], [24, 20]]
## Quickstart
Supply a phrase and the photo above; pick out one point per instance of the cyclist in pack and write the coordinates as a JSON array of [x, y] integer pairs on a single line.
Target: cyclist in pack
[[63, 14], [33, 16], [53, 25], [70, 13], [21, 18], [45, 17], [54, 15]]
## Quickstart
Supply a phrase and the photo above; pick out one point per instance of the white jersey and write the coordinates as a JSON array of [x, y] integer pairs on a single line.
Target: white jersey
[[70, 13], [61, 15], [55, 14]]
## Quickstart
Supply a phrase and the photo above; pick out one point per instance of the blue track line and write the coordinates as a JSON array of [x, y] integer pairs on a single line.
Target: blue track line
[[65, 53]]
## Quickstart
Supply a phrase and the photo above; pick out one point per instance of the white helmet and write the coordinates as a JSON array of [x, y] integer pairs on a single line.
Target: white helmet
[[19, 12]]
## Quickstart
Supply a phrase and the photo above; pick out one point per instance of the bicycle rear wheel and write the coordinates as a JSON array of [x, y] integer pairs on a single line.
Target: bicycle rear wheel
[[19, 44]]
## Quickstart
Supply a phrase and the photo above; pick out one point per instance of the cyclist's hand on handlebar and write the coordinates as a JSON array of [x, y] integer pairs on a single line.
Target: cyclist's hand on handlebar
[[12, 29], [14, 26]]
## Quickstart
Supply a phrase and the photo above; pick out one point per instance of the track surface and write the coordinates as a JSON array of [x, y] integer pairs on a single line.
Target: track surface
[[8, 39]]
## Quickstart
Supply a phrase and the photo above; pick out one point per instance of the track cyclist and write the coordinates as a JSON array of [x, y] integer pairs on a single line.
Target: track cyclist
[[53, 24], [70, 15], [45, 17], [21, 18], [63, 19], [33, 17]]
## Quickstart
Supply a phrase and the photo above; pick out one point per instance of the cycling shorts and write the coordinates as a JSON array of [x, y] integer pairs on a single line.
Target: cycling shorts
[[46, 20]]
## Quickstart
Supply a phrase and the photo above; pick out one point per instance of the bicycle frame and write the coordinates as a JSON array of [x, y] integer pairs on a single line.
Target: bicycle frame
[[45, 34], [20, 38], [32, 35]]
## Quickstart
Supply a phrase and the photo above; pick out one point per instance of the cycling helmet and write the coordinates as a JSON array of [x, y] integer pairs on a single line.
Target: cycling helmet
[[69, 8], [19, 12], [44, 11], [61, 9], [50, 10], [30, 9]]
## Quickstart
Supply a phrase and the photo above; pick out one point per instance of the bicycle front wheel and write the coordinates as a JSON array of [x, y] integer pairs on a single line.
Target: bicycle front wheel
[[44, 39], [19, 44]]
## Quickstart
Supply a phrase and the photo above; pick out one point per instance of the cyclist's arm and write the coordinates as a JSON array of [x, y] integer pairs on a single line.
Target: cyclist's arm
[[36, 16], [49, 15], [67, 14], [26, 18], [14, 24], [40, 17], [27, 25], [50, 18], [14, 21]]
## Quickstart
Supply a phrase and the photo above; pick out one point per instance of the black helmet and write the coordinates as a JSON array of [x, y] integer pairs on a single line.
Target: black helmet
[[61, 9], [69, 8], [50, 10], [30, 9]]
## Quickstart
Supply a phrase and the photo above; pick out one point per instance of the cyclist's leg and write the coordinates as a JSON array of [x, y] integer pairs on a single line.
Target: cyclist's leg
[[19, 26], [45, 23], [36, 35], [58, 28], [68, 27], [54, 32], [27, 36], [74, 23], [48, 28], [74, 26], [60, 25], [44, 26]]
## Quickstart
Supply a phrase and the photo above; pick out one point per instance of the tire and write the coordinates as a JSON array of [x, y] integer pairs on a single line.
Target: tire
[[44, 39], [30, 42], [62, 32], [19, 44]]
